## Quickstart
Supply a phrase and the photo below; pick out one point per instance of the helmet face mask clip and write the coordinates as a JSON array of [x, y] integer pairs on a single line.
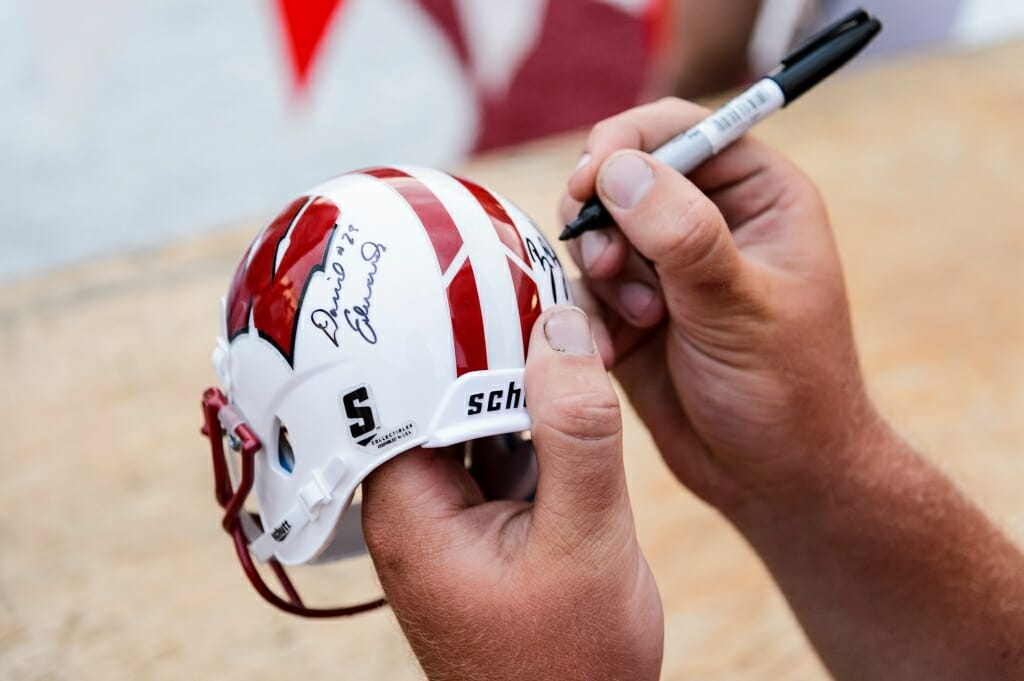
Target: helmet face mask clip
[[384, 310]]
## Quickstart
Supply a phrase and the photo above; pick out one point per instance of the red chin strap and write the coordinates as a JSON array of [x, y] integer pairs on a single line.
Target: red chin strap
[[242, 439]]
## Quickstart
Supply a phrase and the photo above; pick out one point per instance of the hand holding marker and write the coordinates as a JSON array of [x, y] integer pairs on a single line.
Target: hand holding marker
[[810, 64]]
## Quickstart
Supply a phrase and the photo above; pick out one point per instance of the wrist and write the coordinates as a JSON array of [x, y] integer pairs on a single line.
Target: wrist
[[888, 558], [835, 472]]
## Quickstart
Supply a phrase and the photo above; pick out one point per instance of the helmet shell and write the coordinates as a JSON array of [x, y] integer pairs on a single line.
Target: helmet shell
[[385, 309]]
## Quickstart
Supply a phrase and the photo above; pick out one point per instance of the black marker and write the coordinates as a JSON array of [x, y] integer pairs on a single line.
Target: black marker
[[798, 73]]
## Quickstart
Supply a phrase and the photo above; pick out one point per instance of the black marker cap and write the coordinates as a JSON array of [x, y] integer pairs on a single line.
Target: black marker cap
[[824, 53]]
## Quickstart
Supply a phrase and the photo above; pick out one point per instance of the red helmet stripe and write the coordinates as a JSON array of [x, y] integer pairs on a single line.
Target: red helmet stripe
[[527, 299], [503, 225], [467, 321], [440, 227], [470, 344]]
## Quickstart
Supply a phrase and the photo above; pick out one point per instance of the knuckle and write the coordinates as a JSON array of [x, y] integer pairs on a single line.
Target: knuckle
[[678, 108], [593, 416], [667, 102], [616, 254], [602, 127], [565, 543], [695, 234], [662, 105], [620, 131], [598, 132]]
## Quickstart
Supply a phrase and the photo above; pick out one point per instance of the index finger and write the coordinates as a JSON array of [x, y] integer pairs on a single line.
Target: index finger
[[741, 180], [649, 126]]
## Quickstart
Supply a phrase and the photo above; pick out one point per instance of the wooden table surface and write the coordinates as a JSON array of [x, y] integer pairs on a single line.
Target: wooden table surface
[[112, 564]]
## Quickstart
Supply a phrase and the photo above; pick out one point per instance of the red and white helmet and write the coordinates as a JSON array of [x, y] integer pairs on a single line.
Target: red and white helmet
[[385, 309]]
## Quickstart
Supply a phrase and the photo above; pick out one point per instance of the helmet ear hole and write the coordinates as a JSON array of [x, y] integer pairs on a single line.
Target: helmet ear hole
[[285, 453]]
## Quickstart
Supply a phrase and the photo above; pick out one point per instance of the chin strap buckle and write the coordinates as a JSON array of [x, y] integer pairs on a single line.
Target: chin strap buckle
[[312, 497]]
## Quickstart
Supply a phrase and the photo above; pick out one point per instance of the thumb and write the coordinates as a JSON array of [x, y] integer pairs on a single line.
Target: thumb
[[673, 224], [577, 433]]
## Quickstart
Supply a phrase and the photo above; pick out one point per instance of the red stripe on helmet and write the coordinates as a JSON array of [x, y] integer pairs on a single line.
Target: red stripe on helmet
[[440, 227], [527, 299], [469, 341], [467, 321], [503, 225]]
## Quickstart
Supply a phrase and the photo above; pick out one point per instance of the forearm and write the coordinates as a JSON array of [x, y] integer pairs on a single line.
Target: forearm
[[711, 44], [894, 574]]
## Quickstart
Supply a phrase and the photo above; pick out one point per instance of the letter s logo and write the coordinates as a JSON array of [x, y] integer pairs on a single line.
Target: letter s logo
[[359, 409], [273, 292]]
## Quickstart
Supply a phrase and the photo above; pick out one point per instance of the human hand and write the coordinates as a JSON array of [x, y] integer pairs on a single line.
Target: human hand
[[719, 301], [557, 589], [721, 305]]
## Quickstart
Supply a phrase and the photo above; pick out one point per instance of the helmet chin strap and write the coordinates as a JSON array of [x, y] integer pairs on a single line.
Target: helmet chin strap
[[231, 488], [312, 496]]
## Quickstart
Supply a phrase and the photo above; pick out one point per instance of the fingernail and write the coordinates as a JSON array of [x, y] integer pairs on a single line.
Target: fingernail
[[636, 297], [568, 331], [592, 245], [584, 160], [625, 179]]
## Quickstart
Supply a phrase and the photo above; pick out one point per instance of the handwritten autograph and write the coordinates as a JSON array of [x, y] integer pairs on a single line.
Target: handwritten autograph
[[357, 317], [327, 320], [548, 262]]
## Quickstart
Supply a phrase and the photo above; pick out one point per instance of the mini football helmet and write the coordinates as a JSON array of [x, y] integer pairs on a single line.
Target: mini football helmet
[[385, 309]]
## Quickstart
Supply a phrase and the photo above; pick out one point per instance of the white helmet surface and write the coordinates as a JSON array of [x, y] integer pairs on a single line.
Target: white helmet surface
[[385, 309]]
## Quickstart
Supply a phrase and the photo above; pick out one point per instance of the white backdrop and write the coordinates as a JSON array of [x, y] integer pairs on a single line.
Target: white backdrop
[[126, 122]]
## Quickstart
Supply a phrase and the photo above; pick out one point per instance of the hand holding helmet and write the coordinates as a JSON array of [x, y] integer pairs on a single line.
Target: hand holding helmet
[[556, 589], [384, 310]]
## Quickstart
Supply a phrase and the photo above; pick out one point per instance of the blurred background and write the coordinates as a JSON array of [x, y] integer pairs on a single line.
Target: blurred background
[[143, 143], [129, 123]]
